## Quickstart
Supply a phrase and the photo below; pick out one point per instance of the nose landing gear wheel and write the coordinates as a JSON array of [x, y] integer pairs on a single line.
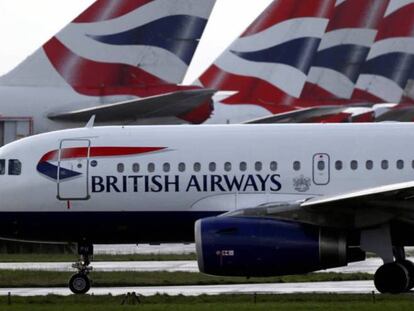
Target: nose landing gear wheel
[[79, 283]]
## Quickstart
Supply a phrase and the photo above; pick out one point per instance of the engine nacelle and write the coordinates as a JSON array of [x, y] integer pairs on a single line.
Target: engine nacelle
[[240, 246]]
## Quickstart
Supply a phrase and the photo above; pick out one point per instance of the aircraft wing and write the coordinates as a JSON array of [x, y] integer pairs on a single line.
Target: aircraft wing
[[167, 105], [336, 113], [297, 116], [361, 209], [398, 114]]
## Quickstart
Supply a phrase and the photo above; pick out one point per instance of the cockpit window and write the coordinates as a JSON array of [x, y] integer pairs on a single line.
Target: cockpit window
[[15, 167], [2, 167]]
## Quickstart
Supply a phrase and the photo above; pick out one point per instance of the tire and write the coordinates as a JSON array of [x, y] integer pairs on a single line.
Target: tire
[[79, 284], [392, 278], [410, 268]]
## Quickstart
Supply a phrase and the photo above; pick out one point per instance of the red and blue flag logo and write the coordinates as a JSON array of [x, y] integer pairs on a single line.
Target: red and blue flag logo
[[49, 164]]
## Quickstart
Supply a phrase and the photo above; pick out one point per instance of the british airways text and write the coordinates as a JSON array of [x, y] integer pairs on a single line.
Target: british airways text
[[175, 183]]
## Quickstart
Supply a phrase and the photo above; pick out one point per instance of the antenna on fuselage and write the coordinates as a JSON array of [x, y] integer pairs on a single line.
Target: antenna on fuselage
[[91, 122]]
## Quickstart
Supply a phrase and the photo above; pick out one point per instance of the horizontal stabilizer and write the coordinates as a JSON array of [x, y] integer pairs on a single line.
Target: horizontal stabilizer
[[167, 105]]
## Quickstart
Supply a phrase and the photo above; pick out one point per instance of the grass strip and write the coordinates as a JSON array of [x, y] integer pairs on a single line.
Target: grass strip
[[208, 303], [21, 278]]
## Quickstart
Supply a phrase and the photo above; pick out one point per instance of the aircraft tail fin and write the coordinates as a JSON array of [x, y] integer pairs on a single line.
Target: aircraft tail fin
[[389, 67], [267, 66], [344, 49], [119, 44]]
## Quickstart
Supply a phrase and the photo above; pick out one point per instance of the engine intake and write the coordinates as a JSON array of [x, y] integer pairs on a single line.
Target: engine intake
[[242, 246]]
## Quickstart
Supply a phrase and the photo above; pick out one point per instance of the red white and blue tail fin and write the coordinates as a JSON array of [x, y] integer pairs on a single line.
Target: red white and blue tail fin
[[115, 44], [390, 64], [268, 65], [344, 49]]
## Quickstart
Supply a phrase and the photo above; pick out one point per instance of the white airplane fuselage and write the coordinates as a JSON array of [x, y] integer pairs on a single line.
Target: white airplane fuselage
[[149, 184]]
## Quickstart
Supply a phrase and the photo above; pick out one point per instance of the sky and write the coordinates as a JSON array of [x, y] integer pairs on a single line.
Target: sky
[[26, 24]]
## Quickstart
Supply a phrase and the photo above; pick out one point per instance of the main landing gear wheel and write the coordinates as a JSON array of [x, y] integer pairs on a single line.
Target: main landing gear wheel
[[79, 283], [410, 268], [392, 278]]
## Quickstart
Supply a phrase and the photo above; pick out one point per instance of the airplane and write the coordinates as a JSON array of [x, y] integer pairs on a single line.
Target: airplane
[[267, 66], [318, 196], [323, 79], [119, 60]]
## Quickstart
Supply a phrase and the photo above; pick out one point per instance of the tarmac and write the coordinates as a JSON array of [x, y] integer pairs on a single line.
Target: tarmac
[[348, 287], [368, 266], [357, 287]]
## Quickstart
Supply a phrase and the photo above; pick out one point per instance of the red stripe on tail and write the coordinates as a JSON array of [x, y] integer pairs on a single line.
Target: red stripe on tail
[[103, 10]]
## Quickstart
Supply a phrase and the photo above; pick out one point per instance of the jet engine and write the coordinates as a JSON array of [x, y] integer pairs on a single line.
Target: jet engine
[[253, 247]]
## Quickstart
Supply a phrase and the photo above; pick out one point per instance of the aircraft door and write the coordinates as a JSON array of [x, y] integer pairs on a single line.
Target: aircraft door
[[73, 169], [321, 169]]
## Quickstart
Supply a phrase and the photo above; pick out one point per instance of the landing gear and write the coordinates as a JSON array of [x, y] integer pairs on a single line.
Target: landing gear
[[392, 278], [395, 277], [410, 268], [79, 283]]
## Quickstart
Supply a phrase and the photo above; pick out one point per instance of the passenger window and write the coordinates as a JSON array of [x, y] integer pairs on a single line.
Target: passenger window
[[197, 167], [2, 167], [321, 165], [400, 164], [384, 165], [181, 167], [15, 167], [339, 165], [273, 166], [296, 166], [166, 167], [369, 165], [120, 168], [151, 167], [258, 166], [243, 166], [227, 166], [212, 167], [135, 167], [354, 165]]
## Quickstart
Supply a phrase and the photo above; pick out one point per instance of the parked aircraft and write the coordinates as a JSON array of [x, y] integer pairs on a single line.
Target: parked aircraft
[[330, 57], [268, 65], [119, 60], [318, 196]]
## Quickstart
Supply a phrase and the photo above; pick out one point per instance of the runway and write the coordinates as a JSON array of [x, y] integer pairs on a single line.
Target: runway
[[358, 287], [128, 249], [368, 266], [349, 287], [137, 266]]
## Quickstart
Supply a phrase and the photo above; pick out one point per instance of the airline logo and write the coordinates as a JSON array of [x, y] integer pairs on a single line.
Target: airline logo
[[48, 165], [269, 64], [120, 44], [155, 183], [344, 49], [119, 48], [390, 63]]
